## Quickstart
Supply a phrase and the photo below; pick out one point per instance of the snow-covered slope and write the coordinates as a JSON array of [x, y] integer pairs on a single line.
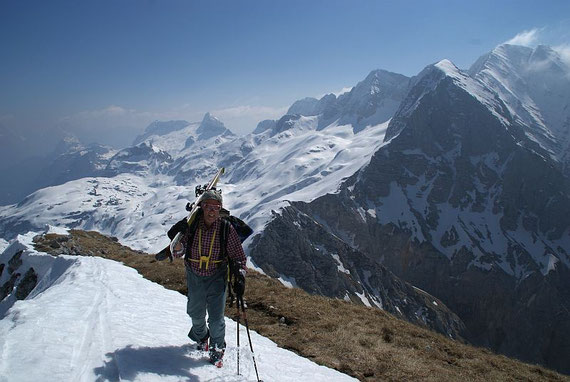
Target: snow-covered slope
[[300, 163], [94, 319], [263, 172]]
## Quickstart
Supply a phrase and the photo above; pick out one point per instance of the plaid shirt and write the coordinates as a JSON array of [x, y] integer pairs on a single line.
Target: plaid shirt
[[210, 243]]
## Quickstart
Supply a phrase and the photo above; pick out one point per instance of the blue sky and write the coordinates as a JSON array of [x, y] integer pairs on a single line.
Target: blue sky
[[94, 66]]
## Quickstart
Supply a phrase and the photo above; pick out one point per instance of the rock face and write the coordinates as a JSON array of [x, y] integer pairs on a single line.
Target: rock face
[[20, 286], [296, 245], [462, 203], [27, 284]]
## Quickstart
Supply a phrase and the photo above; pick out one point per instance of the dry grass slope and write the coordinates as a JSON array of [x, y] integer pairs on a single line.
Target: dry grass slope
[[366, 343]]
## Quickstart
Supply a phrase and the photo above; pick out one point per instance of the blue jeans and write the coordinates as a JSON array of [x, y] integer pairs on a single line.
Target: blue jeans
[[207, 294]]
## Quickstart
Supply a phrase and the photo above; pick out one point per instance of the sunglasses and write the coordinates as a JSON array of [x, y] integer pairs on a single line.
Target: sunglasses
[[211, 207]]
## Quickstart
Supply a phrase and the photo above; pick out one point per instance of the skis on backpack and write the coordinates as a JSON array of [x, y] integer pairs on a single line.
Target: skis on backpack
[[193, 212]]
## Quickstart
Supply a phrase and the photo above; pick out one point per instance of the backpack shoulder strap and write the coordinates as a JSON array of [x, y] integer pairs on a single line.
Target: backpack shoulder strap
[[225, 231], [191, 232]]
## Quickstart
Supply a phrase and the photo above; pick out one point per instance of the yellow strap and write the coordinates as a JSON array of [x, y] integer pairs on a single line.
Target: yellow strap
[[214, 261], [205, 260]]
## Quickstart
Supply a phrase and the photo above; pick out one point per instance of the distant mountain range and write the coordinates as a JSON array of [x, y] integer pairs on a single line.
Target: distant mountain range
[[456, 182]]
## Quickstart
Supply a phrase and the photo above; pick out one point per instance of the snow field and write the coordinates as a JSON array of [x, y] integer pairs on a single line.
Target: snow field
[[98, 320]]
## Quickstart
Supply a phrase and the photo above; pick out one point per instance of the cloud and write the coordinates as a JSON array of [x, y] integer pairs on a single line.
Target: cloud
[[243, 119], [526, 38], [342, 91], [110, 113], [248, 111], [564, 52], [118, 126], [336, 93]]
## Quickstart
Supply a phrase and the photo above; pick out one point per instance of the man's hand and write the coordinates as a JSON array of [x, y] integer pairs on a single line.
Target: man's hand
[[239, 283]]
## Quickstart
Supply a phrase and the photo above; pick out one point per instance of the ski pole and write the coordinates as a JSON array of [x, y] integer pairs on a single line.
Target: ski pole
[[249, 336], [238, 316]]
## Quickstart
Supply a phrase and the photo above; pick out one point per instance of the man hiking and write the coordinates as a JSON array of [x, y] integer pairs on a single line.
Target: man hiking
[[207, 270]]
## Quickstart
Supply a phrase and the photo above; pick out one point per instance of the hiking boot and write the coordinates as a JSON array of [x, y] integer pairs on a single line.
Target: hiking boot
[[202, 345], [216, 356]]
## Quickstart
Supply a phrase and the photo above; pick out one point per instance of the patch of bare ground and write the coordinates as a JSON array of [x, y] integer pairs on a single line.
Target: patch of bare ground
[[366, 343]]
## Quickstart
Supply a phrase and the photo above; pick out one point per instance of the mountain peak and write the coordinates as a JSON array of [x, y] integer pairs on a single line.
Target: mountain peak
[[211, 127], [306, 106], [447, 67]]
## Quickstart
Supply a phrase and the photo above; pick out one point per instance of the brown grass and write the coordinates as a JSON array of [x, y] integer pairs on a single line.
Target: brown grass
[[366, 343]]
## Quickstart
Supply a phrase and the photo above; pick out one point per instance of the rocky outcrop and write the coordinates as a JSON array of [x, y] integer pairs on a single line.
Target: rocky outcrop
[[8, 286], [21, 287], [27, 284]]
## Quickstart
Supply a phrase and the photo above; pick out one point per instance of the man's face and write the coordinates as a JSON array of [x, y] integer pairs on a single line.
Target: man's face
[[211, 211]]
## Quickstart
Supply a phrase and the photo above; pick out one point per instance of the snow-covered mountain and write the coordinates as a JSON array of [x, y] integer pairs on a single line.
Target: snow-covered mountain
[[463, 201], [371, 102], [454, 181], [91, 319]]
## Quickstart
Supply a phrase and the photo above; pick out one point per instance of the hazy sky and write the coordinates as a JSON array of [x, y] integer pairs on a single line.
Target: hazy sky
[[93, 66]]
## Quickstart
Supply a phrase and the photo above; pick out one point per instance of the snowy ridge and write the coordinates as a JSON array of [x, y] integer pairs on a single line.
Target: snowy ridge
[[473, 87], [95, 319], [533, 84]]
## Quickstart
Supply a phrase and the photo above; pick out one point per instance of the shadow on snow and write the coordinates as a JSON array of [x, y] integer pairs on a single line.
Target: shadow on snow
[[128, 362]]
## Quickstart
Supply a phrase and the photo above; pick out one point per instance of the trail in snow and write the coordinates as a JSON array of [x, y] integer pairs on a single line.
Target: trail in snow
[[102, 321]]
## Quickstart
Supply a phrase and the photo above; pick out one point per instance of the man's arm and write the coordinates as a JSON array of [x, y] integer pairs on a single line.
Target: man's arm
[[181, 226], [235, 249]]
